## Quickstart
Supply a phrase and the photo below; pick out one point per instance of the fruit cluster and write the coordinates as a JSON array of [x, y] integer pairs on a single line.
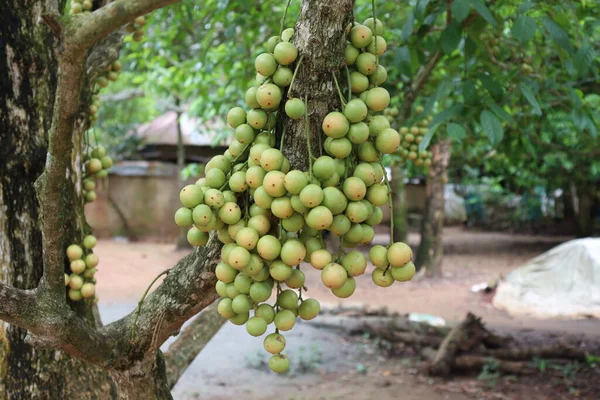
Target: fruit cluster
[[136, 28], [81, 6], [270, 217], [83, 263], [96, 165], [409, 147]]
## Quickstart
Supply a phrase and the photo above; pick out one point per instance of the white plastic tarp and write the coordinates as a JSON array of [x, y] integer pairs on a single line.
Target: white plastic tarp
[[564, 282]]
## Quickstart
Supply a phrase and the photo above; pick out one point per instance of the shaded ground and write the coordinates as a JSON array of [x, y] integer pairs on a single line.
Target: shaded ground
[[327, 365]]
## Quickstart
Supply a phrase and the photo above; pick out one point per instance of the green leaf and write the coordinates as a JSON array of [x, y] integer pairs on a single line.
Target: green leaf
[[558, 34], [470, 92], [441, 91], [524, 28], [531, 99], [407, 30], [492, 127], [450, 37], [499, 111], [456, 132], [446, 114], [485, 12], [460, 10], [583, 59], [421, 8], [402, 59], [526, 6], [491, 85], [427, 138]]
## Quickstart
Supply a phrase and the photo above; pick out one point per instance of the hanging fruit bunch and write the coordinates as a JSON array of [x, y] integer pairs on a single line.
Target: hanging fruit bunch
[[412, 136], [80, 282], [271, 217]]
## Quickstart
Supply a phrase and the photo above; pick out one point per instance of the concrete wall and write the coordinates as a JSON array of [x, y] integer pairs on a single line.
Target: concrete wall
[[147, 193]]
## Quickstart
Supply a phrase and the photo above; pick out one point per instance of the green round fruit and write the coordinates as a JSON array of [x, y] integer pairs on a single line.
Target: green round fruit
[[309, 309], [202, 215], [334, 180], [196, 237], [279, 363], [379, 76], [236, 116], [240, 319], [250, 98], [350, 54], [311, 196], [405, 273], [280, 271], [262, 199], [257, 118], [241, 304], [255, 176], [346, 290], [239, 258], [254, 267], [288, 299], [360, 36], [247, 238], [368, 234], [274, 343], [378, 124], [283, 77], [256, 326], [271, 159], [272, 42], [382, 278], [377, 46], [268, 247], [78, 266], [354, 234], [324, 167], [333, 275], [355, 110], [297, 205], [354, 188], [230, 213], [220, 162], [285, 53], [296, 281], [366, 173], [375, 25], [75, 294], [295, 108], [366, 63], [268, 96], [320, 258], [215, 178], [295, 181], [388, 141], [281, 207], [367, 152], [266, 312], [287, 34], [340, 225], [355, 263], [274, 184], [293, 223], [221, 288], [339, 148], [378, 256], [357, 212], [335, 125], [265, 64], [377, 194], [358, 133], [378, 98], [244, 134], [214, 198], [358, 82], [399, 254], [106, 162], [260, 223], [224, 308], [375, 218], [293, 252], [285, 320], [75, 281], [319, 218], [225, 272], [191, 195], [74, 252]]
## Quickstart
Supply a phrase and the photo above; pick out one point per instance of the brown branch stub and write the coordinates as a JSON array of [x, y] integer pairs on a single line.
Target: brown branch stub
[[53, 22], [17, 306], [191, 342]]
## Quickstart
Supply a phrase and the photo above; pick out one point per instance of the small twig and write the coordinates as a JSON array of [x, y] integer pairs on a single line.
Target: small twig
[[138, 310]]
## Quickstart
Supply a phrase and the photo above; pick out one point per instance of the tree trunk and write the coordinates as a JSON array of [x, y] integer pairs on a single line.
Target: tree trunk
[[28, 77], [399, 203], [431, 248], [585, 222]]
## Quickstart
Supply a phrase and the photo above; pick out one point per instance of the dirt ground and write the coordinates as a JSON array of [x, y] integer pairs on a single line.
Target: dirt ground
[[331, 366]]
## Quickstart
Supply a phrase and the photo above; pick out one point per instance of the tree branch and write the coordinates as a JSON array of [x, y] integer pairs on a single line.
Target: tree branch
[[191, 342], [86, 29], [417, 84], [17, 306]]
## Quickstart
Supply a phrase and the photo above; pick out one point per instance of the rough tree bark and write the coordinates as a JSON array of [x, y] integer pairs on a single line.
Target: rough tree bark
[[431, 248], [60, 350], [399, 202]]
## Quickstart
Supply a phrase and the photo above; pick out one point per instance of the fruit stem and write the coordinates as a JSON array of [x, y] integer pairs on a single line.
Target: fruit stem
[[282, 139], [349, 84], [337, 86], [307, 130], [283, 19], [294, 76], [375, 40], [340, 249], [389, 188], [138, 310]]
